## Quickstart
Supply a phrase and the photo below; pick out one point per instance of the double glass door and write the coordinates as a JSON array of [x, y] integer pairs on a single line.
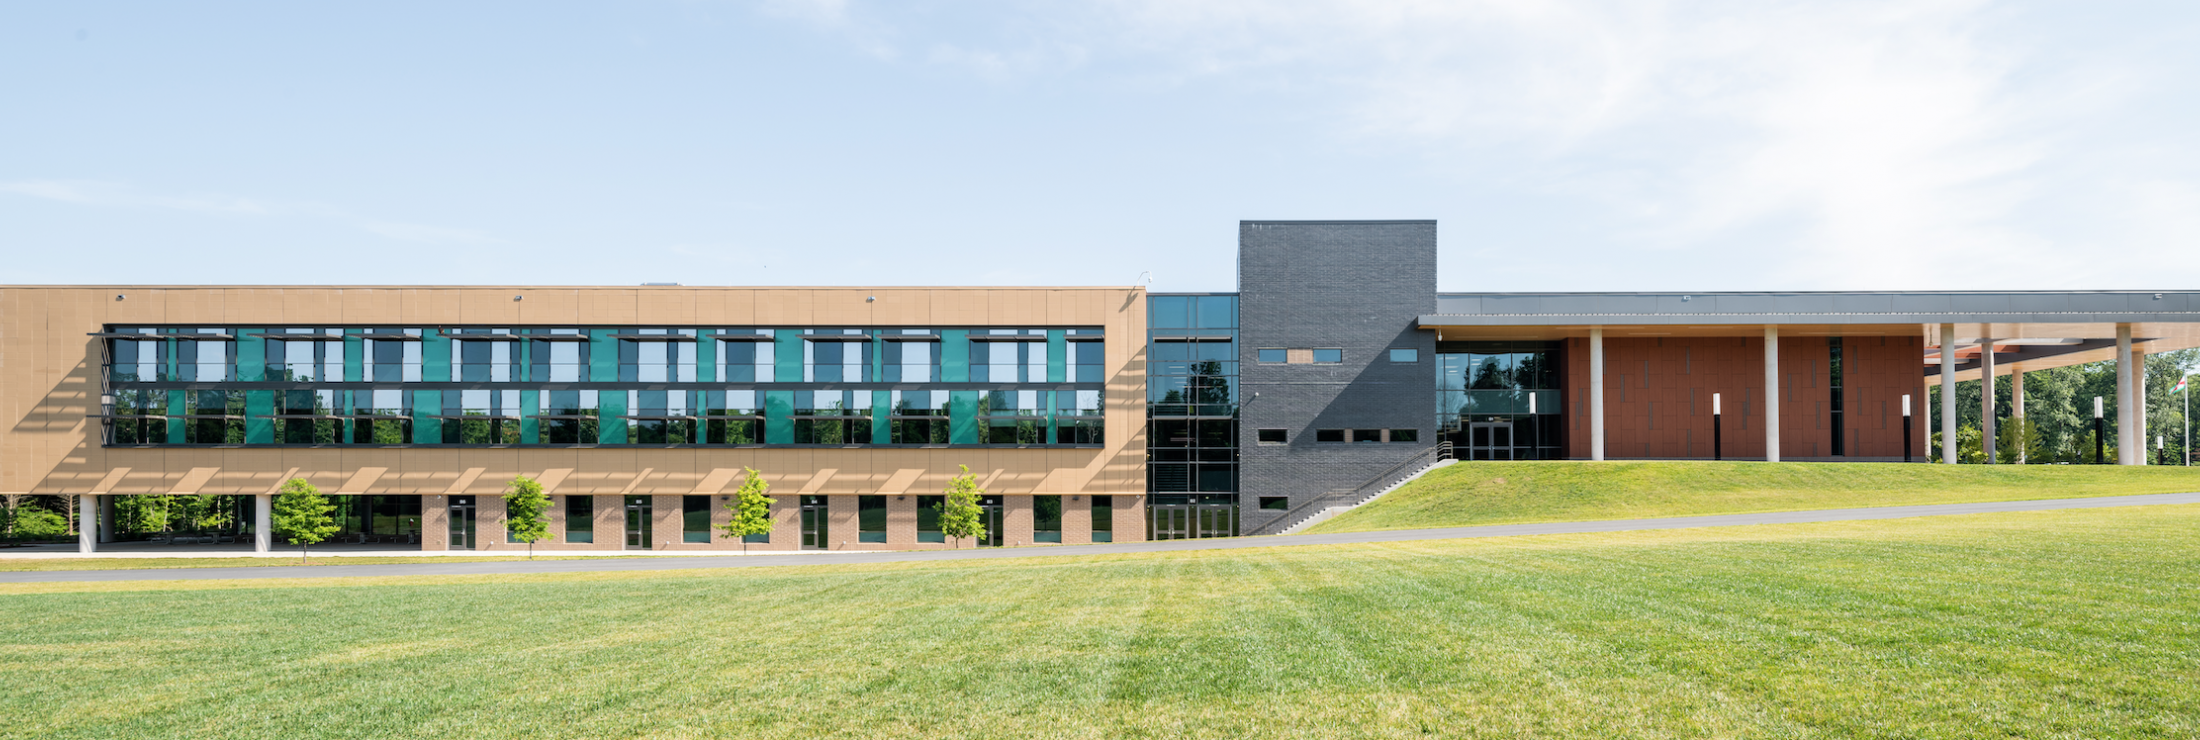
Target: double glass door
[[1193, 521], [638, 523], [814, 527], [1490, 440], [462, 522]]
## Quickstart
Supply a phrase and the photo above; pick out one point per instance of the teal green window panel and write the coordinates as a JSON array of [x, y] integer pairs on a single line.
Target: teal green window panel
[[882, 425], [1057, 357], [778, 415], [611, 429], [962, 417], [176, 406], [435, 359], [1049, 404], [706, 358], [251, 364], [603, 359], [955, 356], [427, 430], [787, 360], [173, 373], [526, 364], [530, 428], [355, 357], [258, 429]]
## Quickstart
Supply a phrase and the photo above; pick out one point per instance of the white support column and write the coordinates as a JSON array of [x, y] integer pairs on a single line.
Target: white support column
[[1948, 394], [2139, 406], [1772, 393], [263, 523], [1986, 438], [2016, 408], [87, 523], [2124, 428], [1596, 393]]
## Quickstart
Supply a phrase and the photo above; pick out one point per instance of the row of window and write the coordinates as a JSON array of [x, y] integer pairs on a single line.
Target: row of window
[[1283, 436], [492, 355], [504, 417], [1287, 356]]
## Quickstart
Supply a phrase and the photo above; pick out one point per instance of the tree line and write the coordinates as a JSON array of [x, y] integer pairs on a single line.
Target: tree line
[[2058, 413]]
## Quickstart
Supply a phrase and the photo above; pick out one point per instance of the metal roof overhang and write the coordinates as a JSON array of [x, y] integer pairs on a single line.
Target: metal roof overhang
[[2161, 321]]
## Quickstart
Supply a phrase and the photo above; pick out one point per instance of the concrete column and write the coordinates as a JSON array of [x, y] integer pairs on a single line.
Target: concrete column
[[1772, 393], [2124, 399], [1596, 393], [1948, 393], [1986, 436], [87, 523], [2016, 407], [2140, 456], [107, 518], [263, 523]]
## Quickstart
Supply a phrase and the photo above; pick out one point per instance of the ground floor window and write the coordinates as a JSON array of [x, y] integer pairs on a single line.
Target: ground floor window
[[870, 518], [580, 519], [1103, 518], [1046, 519], [695, 519], [928, 518]]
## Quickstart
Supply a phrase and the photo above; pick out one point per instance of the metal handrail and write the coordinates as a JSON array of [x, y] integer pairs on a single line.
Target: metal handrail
[[1358, 494]]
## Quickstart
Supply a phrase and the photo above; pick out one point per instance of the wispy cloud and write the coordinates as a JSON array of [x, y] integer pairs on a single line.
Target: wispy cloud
[[1824, 141], [116, 195]]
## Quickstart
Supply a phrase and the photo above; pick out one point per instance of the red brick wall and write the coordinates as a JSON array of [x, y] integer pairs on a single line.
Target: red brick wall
[[1657, 396]]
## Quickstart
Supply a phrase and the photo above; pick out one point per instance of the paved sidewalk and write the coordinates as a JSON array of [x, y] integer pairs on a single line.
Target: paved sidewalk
[[821, 558]]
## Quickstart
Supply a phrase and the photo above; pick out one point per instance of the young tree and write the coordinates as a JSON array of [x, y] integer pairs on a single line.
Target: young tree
[[752, 510], [524, 505], [302, 515], [959, 514]]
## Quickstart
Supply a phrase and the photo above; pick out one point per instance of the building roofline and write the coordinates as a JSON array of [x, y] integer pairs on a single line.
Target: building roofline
[[1263, 222]]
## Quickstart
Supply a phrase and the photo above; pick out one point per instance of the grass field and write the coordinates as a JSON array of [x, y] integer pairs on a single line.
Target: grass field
[[2080, 623], [1476, 493], [24, 564]]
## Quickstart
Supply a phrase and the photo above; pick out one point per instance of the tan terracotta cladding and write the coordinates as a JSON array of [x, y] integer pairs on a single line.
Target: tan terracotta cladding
[[1657, 396], [48, 383]]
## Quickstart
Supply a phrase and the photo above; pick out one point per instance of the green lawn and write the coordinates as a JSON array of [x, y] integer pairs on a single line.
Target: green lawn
[[2043, 624], [1477, 493], [20, 564]]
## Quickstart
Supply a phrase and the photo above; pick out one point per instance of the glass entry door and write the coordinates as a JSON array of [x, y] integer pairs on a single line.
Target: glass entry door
[[638, 523], [1197, 520], [813, 523], [1490, 440], [462, 522], [989, 513]]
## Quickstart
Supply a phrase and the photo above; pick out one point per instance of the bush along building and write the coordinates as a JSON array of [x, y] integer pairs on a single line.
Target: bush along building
[[1087, 414]]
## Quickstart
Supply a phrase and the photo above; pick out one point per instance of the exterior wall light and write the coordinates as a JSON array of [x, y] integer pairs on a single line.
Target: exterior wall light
[[517, 297]]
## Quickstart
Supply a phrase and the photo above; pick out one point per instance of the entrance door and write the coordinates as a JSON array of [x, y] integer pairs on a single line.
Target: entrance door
[[1214, 520], [638, 523], [813, 523], [462, 522], [1490, 440], [989, 512], [1171, 522]]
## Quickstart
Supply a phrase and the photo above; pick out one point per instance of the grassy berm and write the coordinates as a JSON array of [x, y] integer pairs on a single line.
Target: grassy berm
[[1469, 494], [2077, 624]]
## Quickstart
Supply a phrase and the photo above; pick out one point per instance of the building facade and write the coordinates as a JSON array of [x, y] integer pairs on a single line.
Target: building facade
[[1087, 414]]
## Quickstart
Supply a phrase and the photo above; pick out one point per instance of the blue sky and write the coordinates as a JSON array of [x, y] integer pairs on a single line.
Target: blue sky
[[1562, 145]]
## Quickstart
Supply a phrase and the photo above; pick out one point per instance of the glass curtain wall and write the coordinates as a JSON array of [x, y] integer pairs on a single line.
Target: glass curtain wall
[[1499, 400], [1192, 404]]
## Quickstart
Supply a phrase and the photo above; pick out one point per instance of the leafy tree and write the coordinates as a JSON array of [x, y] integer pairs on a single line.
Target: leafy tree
[[302, 515], [524, 506], [752, 510], [959, 514], [32, 522]]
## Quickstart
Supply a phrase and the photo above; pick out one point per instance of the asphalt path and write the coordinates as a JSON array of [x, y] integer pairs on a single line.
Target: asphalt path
[[1067, 551]]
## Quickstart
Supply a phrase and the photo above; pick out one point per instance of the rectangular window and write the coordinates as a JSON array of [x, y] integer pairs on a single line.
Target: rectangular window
[[570, 417], [1103, 518], [871, 518], [1012, 417], [745, 361], [139, 360], [1329, 435], [919, 418], [563, 360], [832, 417], [580, 519], [1273, 355], [1275, 503], [1087, 362], [732, 418], [912, 360], [1405, 355], [1367, 435], [141, 417], [657, 360], [695, 519], [1328, 357], [1272, 436], [1046, 519], [1833, 381], [660, 417], [1405, 435], [1078, 419], [928, 518], [836, 356], [393, 360]]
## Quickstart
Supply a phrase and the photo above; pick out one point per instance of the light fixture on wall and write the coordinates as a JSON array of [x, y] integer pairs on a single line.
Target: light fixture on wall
[[119, 296], [517, 297], [870, 299]]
